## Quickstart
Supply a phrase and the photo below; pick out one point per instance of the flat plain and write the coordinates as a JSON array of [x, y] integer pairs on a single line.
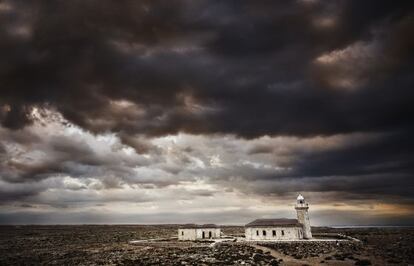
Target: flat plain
[[109, 245]]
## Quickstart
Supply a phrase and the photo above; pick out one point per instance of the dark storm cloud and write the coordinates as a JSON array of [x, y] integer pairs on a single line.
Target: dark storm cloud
[[139, 144], [28, 156], [389, 153], [293, 70], [375, 166], [376, 153], [2, 149], [386, 188], [15, 194], [202, 67]]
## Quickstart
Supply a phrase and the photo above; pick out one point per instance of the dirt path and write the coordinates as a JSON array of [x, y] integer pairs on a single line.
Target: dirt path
[[287, 260]]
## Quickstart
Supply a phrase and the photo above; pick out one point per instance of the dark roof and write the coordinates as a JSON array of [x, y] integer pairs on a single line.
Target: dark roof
[[274, 222], [190, 226]]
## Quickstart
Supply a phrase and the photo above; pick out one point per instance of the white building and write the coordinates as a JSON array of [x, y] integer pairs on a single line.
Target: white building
[[198, 232], [282, 229], [302, 208]]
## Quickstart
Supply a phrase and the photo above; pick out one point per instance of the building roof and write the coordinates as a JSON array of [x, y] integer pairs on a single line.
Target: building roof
[[300, 197], [192, 226], [283, 222]]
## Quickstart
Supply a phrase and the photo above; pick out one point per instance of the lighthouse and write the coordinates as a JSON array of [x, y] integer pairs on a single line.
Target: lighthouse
[[303, 216]]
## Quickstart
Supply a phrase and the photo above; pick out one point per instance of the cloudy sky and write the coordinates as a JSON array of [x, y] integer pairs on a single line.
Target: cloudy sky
[[206, 111]]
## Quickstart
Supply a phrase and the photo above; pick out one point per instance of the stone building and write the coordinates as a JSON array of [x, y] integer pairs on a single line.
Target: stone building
[[198, 232], [302, 208], [282, 229]]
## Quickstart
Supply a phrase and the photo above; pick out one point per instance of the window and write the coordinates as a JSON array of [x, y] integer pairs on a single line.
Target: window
[[283, 232], [182, 233], [274, 232], [264, 232], [257, 232], [204, 235], [209, 234]]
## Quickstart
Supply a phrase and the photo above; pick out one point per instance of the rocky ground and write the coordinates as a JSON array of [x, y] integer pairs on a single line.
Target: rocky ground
[[322, 252], [391, 246], [108, 245]]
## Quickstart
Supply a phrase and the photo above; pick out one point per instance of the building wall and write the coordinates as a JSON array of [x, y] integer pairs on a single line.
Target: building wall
[[215, 233], [197, 233], [303, 218], [282, 233], [187, 234]]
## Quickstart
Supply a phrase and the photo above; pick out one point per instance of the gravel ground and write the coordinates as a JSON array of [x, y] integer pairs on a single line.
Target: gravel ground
[[108, 245]]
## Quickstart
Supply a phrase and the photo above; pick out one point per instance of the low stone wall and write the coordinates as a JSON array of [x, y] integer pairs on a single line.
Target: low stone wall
[[335, 236]]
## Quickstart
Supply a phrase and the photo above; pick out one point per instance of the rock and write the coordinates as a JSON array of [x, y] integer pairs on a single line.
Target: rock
[[394, 261], [273, 262], [363, 262], [297, 256], [257, 257]]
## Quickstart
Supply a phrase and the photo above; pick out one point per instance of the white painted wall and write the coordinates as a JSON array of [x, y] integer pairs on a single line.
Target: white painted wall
[[197, 233], [303, 218], [215, 233], [187, 234], [302, 208], [289, 233]]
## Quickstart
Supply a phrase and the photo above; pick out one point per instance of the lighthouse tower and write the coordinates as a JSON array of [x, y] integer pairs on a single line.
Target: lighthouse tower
[[303, 216]]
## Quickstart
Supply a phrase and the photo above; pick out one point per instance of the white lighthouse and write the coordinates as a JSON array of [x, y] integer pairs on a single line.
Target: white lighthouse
[[303, 216]]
